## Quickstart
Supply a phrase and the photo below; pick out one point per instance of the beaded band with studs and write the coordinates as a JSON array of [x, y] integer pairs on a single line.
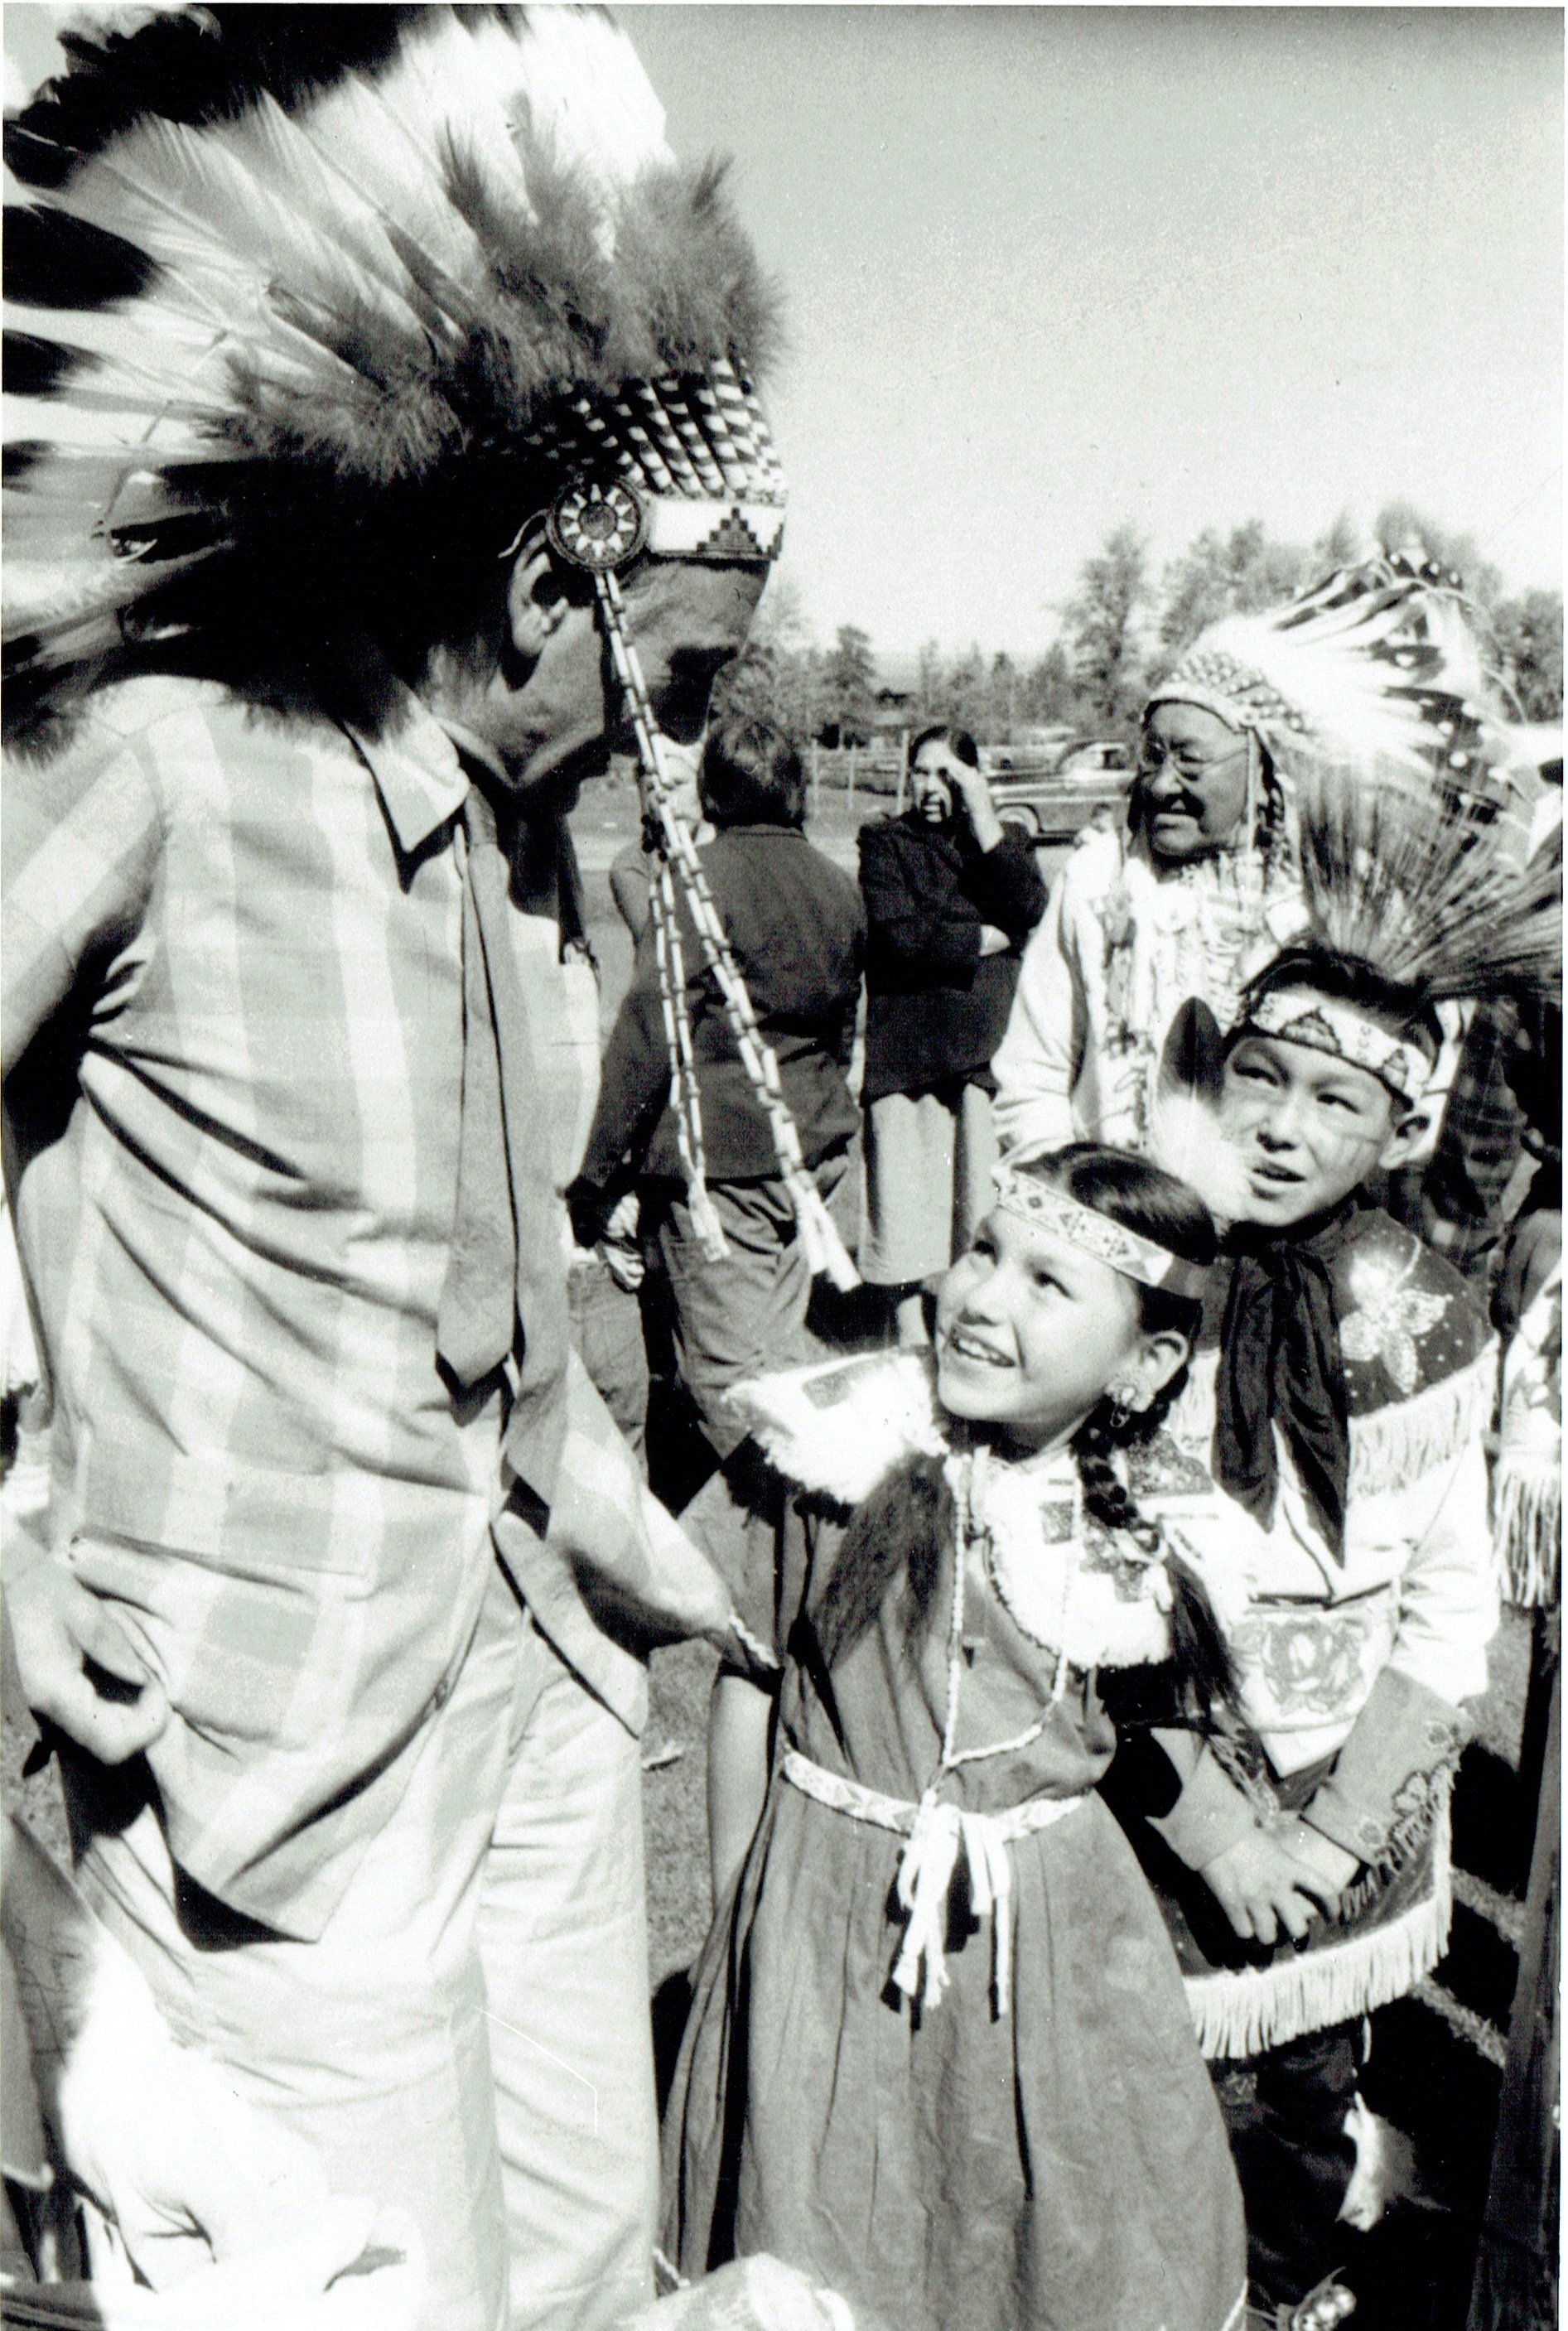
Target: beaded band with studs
[[682, 467], [1128, 1252], [1236, 693], [1324, 1025]]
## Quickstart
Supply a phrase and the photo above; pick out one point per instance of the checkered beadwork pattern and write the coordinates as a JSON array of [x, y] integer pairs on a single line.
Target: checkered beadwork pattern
[[1248, 694], [691, 437]]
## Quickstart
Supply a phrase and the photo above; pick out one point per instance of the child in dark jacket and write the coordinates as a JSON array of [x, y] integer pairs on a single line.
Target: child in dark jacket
[[797, 926]]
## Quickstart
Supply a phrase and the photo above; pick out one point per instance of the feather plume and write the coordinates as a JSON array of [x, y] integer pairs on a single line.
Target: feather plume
[[1437, 903], [1187, 1132]]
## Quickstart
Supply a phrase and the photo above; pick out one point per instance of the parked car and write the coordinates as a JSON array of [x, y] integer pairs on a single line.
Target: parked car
[[1054, 803], [1092, 758]]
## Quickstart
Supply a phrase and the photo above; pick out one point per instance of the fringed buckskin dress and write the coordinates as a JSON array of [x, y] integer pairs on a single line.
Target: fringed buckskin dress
[[952, 2073]]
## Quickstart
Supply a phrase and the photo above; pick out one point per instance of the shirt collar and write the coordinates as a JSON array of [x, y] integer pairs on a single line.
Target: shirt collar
[[418, 774]]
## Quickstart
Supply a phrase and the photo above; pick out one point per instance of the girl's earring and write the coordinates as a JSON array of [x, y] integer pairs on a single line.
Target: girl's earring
[[1124, 1401]]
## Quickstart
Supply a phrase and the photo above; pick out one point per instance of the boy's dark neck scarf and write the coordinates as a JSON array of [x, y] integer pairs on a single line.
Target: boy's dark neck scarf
[[1280, 1364]]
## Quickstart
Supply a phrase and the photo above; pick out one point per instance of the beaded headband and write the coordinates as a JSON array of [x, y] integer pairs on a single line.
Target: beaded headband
[[1135, 1256], [1325, 1024], [1238, 694], [683, 467]]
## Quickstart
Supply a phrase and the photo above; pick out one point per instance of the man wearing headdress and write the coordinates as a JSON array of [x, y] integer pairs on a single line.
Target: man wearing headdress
[[345, 336], [1375, 660]]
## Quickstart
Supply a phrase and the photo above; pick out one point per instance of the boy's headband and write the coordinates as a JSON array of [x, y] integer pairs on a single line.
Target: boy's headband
[[1135, 1256], [1299, 1015]]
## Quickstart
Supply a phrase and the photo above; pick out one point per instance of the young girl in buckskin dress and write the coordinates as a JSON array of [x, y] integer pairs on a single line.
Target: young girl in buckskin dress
[[939, 2054]]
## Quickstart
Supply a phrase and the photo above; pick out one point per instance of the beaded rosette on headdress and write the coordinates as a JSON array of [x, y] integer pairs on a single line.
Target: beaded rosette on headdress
[[309, 293], [1046, 1207], [301, 290], [682, 468]]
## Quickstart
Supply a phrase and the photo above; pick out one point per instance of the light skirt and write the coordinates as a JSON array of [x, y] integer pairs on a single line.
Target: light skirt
[[929, 1161]]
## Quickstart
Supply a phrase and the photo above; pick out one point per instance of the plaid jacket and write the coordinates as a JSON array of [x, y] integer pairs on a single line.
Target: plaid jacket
[[1455, 1201], [238, 944]]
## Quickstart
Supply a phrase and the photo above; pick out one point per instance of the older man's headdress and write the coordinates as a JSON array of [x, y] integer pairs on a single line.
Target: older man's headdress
[[308, 298], [1377, 661]]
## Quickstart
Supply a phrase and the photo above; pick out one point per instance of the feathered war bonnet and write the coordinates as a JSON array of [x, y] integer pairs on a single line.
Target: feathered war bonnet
[[1378, 663], [310, 309]]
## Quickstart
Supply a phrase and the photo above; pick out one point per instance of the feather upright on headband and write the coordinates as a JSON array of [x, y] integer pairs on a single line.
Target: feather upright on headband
[[1435, 904], [308, 300], [1406, 909]]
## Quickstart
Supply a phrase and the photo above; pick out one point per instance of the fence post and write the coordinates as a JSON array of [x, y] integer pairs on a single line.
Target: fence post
[[903, 769], [851, 784], [816, 775]]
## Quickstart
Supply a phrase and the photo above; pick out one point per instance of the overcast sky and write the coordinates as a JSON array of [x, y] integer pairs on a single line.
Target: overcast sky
[[1049, 269], [1052, 268]]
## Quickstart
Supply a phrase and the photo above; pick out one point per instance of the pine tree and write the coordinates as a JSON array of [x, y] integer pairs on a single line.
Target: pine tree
[[849, 681], [1340, 546], [1527, 636], [1002, 698], [1050, 693], [930, 682], [1240, 575], [1103, 629]]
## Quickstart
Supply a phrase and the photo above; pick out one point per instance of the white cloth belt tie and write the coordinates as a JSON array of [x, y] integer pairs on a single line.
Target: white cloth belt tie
[[935, 1833]]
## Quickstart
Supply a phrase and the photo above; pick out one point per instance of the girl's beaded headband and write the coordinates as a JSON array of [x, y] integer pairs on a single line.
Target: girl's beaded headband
[[1049, 1208]]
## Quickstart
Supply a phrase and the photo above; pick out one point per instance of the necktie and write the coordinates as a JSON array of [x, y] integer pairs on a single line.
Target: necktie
[[505, 1268]]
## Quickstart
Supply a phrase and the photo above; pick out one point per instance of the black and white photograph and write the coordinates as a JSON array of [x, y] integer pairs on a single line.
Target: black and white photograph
[[781, 1262]]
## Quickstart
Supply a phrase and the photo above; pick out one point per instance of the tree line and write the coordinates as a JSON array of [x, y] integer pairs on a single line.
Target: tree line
[[1123, 627]]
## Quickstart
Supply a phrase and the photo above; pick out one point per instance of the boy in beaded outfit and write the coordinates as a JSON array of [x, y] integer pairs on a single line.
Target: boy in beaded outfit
[[1302, 1853]]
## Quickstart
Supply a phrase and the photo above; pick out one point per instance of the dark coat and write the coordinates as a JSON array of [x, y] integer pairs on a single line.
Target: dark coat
[[937, 1008], [798, 932]]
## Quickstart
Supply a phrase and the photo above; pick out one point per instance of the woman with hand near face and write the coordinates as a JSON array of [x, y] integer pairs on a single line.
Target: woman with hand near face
[[951, 896]]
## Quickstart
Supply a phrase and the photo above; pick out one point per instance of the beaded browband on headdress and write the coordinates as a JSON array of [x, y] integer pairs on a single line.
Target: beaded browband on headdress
[[1049, 1208], [1325, 1024], [358, 267], [352, 261], [682, 467]]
